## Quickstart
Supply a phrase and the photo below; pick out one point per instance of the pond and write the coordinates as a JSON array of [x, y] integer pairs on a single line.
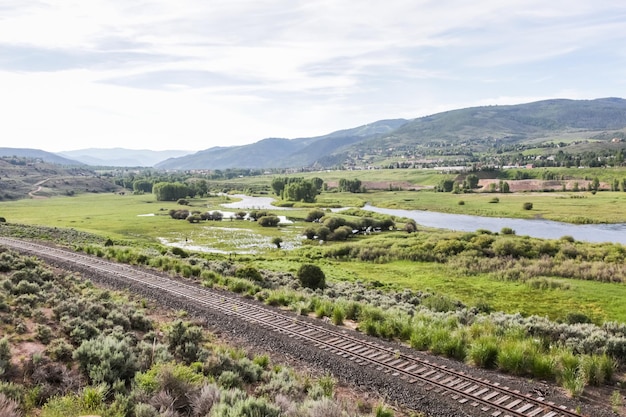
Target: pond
[[546, 229]]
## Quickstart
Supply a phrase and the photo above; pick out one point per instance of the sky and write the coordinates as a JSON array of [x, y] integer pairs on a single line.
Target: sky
[[190, 75]]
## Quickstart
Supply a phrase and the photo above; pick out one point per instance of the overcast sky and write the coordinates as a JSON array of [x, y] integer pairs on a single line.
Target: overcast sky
[[163, 74]]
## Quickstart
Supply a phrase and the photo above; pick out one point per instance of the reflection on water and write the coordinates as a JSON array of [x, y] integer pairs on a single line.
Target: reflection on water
[[536, 228]]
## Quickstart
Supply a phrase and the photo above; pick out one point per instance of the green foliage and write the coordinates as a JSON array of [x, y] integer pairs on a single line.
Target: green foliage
[[249, 272], [268, 221], [106, 359], [5, 355], [314, 215], [527, 206], [351, 186], [247, 407], [311, 276], [185, 340], [59, 350], [171, 191], [483, 352]]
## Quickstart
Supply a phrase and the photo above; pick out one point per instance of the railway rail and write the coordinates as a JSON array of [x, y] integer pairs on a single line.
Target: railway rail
[[486, 398]]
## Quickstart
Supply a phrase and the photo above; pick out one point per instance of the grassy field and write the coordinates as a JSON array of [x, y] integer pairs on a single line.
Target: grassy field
[[143, 220], [582, 207]]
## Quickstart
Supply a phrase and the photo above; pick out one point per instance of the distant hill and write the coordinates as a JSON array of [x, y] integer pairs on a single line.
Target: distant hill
[[281, 153], [44, 156], [31, 177], [119, 157], [514, 123], [475, 129]]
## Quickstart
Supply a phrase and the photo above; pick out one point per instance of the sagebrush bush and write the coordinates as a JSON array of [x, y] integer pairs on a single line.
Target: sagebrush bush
[[9, 407], [106, 359]]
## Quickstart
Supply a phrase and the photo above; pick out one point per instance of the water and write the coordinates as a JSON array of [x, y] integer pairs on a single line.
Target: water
[[547, 229]]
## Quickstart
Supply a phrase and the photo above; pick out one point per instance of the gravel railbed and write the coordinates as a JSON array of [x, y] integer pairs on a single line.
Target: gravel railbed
[[365, 378]]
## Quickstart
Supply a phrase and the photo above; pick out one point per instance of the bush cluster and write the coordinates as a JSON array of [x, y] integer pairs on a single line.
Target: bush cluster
[[103, 358]]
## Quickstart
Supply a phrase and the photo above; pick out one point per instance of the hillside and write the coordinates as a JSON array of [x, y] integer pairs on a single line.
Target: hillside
[[452, 135], [120, 157], [281, 153], [38, 154], [33, 178], [513, 124]]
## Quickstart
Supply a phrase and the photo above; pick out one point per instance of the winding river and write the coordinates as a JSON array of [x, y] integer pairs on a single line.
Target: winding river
[[547, 229]]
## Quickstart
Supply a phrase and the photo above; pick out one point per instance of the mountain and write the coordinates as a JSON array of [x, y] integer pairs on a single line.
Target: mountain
[[459, 132], [281, 153], [513, 123], [44, 156], [119, 157]]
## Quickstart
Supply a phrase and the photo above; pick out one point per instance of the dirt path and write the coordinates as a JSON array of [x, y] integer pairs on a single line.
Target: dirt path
[[38, 185]]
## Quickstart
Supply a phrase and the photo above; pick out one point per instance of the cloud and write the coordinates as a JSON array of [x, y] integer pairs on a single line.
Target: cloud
[[229, 72]]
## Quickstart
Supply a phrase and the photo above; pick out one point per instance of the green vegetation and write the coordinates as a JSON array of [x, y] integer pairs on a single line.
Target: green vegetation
[[108, 357], [551, 309]]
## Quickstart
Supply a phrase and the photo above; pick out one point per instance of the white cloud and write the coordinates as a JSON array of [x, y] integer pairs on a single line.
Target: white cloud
[[192, 74]]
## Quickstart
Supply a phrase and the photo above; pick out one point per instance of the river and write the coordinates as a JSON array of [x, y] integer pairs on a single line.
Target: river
[[536, 228], [547, 229]]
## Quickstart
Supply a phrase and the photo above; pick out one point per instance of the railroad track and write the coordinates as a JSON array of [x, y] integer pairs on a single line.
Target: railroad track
[[487, 398]]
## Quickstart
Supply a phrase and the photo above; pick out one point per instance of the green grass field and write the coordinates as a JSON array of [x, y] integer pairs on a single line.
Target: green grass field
[[144, 220]]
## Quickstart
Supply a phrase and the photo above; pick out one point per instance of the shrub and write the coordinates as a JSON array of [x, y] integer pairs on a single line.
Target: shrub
[[247, 407], [494, 200], [268, 221], [106, 359], [249, 272], [311, 276], [43, 333], [277, 241], [184, 340], [9, 407], [60, 350], [205, 399], [229, 379], [314, 215], [507, 231], [5, 355], [483, 352], [528, 206]]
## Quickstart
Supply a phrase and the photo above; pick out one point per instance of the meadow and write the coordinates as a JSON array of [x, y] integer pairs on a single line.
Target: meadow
[[141, 220], [439, 291]]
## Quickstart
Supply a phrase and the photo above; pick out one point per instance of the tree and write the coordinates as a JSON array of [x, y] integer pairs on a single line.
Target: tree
[[144, 186], [595, 184], [351, 186], [471, 181], [170, 191], [304, 191], [505, 187], [278, 185], [311, 276], [446, 186]]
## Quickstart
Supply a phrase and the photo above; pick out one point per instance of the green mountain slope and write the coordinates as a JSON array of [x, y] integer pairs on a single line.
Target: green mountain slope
[[281, 153], [463, 131]]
